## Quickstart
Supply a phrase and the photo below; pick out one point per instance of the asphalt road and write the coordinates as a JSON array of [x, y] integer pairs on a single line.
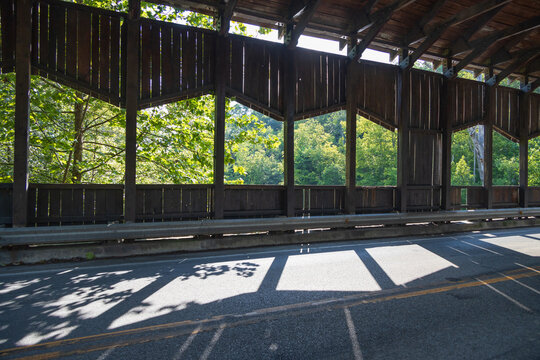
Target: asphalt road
[[465, 296]]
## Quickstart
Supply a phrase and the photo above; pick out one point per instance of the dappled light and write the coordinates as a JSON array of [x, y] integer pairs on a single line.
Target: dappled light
[[406, 263], [328, 271], [219, 281]]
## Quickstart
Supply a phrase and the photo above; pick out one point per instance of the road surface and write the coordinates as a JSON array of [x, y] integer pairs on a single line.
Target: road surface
[[463, 296]]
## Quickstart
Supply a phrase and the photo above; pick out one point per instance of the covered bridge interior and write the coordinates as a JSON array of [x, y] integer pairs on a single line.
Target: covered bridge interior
[[136, 63]]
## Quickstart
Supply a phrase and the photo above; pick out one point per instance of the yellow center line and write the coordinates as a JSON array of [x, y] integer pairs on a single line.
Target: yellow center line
[[262, 315]]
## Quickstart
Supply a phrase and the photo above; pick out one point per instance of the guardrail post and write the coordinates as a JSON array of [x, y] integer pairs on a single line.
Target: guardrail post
[[22, 112], [289, 94], [132, 105], [350, 140], [523, 149]]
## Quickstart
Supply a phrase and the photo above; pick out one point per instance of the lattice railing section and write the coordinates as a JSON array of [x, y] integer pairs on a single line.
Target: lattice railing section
[[506, 105], [177, 62], [320, 83], [81, 47], [376, 93], [255, 75], [7, 37], [466, 103], [533, 112]]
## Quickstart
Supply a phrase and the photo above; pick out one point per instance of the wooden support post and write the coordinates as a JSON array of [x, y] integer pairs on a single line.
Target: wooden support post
[[289, 94], [219, 129], [488, 143], [22, 112], [523, 148], [403, 106], [446, 121], [350, 139], [132, 105]]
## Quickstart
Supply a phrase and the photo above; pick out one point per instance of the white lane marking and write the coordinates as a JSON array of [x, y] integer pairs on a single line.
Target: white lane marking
[[506, 296], [483, 248], [527, 267], [106, 354], [186, 344], [352, 334], [459, 251], [520, 283], [213, 342]]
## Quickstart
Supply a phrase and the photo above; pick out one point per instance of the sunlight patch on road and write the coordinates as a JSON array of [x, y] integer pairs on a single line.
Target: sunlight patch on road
[[204, 284], [50, 333], [520, 244], [406, 263], [329, 271]]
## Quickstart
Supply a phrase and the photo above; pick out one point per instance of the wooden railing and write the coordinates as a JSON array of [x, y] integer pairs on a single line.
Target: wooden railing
[[70, 204]]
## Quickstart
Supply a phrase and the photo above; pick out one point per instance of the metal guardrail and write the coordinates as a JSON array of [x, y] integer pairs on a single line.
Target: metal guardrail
[[89, 233]]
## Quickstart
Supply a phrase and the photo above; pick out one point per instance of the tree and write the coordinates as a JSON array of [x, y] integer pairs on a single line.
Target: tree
[[461, 173]]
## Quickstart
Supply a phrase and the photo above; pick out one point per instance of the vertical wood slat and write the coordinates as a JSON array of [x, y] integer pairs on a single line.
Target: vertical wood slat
[[156, 60], [104, 61], [237, 60], [43, 35], [188, 60], [146, 58], [199, 59], [95, 50], [175, 59], [7, 15], [53, 36], [209, 58], [35, 34], [83, 47], [114, 63], [60, 25], [166, 58], [71, 48]]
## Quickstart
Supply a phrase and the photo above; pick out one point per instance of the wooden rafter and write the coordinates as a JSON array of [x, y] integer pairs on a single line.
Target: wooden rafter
[[482, 44], [463, 40], [516, 64], [420, 29], [533, 66], [438, 30], [378, 20], [225, 16], [503, 55], [301, 19]]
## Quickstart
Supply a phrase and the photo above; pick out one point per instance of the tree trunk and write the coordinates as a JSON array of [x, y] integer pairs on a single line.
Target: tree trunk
[[78, 111]]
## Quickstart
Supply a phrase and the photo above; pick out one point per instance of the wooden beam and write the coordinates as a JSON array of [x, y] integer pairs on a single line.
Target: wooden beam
[[515, 65], [419, 30], [525, 26], [289, 93], [363, 20], [350, 139], [219, 128], [225, 17], [132, 105], [523, 149], [490, 102], [482, 44], [22, 112], [437, 31], [403, 111], [302, 17], [379, 19], [532, 86], [446, 120]]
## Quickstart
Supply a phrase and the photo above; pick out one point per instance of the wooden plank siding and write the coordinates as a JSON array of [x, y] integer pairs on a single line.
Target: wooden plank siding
[[7, 28], [467, 107]]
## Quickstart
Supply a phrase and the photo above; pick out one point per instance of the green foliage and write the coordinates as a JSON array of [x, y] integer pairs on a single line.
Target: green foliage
[[505, 161], [317, 159], [461, 173], [376, 154], [534, 162]]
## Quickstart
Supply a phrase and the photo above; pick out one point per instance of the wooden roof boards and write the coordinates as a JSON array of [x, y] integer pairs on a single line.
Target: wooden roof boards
[[335, 19]]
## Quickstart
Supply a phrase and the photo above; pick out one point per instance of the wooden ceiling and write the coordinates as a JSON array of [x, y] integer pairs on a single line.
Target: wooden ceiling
[[475, 34]]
